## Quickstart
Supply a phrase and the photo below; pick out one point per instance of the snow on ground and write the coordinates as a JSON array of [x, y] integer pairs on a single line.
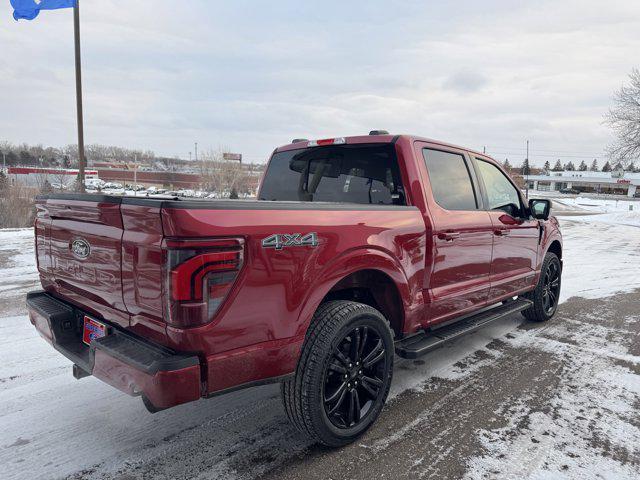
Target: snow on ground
[[600, 258], [18, 262], [590, 427], [52, 425]]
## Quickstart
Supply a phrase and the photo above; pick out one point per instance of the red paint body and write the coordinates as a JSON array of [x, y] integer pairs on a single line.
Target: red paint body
[[442, 264]]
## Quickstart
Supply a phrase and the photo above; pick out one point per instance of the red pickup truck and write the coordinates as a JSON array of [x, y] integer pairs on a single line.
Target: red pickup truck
[[356, 249]]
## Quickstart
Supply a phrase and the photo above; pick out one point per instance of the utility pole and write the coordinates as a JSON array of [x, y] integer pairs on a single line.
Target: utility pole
[[526, 181], [196, 150], [484, 149], [76, 36]]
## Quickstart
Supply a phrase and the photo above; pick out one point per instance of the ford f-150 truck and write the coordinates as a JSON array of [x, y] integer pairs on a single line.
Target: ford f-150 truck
[[356, 249]]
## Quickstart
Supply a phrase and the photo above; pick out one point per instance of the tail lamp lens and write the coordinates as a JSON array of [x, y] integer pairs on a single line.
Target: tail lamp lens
[[199, 277]]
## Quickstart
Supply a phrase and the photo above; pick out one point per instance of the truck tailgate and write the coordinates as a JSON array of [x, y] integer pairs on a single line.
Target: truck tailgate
[[85, 249]]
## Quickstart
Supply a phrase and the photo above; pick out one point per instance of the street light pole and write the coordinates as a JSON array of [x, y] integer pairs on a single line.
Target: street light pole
[[76, 35]]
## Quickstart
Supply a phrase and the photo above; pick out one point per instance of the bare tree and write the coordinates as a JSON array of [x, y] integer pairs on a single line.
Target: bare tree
[[624, 119], [222, 176]]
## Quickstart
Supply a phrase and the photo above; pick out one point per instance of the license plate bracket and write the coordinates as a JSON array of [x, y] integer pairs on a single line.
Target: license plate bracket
[[93, 329]]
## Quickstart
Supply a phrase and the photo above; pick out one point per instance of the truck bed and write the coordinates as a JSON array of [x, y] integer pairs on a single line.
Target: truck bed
[[123, 280]]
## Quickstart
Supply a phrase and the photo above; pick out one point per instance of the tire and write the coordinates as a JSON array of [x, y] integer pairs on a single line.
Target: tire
[[322, 398], [547, 292]]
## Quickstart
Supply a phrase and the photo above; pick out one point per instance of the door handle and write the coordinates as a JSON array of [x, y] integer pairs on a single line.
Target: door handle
[[448, 236], [501, 232]]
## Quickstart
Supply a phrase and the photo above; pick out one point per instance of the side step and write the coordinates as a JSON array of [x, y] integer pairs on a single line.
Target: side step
[[418, 345]]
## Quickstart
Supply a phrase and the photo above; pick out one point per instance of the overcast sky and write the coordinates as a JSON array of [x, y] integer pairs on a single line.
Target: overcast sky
[[253, 75]]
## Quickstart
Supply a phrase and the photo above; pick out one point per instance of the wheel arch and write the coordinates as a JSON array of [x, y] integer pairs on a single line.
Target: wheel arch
[[367, 275], [556, 247], [374, 288]]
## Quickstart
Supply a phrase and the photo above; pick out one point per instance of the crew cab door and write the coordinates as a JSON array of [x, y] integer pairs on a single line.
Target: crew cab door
[[458, 268], [515, 234]]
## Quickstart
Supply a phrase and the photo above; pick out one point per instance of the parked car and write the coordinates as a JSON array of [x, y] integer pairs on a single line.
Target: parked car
[[571, 191], [357, 249]]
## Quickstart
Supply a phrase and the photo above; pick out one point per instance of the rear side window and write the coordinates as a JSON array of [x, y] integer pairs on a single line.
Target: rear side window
[[450, 180], [339, 173]]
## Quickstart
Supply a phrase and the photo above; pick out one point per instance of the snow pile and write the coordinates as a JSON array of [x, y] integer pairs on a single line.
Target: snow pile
[[601, 205], [631, 219]]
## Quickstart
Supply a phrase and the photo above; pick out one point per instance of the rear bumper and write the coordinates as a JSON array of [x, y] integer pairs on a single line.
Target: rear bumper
[[137, 367]]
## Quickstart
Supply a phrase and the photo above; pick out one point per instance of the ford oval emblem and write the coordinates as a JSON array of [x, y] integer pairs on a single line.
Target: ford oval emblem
[[80, 248]]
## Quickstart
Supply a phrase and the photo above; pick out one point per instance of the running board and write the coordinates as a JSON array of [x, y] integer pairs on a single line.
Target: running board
[[418, 345]]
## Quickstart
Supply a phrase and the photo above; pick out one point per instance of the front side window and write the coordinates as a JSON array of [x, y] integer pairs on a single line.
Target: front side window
[[366, 174], [501, 193], [450, 180]]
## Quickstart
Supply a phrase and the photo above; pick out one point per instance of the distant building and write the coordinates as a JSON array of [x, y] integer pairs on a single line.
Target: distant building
[[617, 182]]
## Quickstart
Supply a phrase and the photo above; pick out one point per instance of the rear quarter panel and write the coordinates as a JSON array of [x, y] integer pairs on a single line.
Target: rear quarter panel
[[273, 300]]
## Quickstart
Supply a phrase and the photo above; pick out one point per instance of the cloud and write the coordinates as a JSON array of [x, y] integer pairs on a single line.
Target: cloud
[[465, 82], [254, 75]]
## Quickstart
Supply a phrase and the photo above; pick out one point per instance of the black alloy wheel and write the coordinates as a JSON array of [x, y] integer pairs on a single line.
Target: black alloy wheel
[[551, 288], [546, 295], [354, 376], [343, 374]]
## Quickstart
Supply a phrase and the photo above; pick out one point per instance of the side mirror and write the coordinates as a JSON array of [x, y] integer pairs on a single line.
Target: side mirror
[[540, 209]]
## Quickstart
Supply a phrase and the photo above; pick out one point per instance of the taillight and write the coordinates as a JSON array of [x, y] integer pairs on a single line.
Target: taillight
[[199, 275]]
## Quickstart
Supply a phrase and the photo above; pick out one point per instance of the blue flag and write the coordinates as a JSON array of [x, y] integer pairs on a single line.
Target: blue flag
[[29, 9]]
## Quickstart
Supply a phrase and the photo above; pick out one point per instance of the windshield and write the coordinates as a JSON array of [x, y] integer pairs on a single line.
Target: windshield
[[338, 173]]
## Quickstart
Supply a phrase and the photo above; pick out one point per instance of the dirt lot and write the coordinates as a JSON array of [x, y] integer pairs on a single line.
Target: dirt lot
[[514, 400]]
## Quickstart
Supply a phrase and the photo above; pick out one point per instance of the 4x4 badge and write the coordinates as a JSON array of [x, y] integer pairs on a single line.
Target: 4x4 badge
[[281, 240]]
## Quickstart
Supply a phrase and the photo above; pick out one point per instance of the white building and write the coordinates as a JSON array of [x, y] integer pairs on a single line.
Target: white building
[[617, 182]]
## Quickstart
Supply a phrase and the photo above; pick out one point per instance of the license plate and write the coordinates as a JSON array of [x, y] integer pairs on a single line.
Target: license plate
[[92, 329]]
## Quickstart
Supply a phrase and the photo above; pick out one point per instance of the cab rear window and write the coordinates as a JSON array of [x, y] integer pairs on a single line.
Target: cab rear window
[[366, 174]]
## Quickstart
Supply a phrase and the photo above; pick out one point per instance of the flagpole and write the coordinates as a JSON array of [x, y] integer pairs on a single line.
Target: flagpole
[[76, 35]]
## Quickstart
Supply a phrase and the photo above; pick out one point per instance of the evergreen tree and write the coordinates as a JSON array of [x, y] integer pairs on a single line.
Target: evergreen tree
[[618, 166], [594, 165], [547, 166], [506, 165], [3, 182], [606, 167], [525, 167], [583, 166], [234, 194], [631, 167], [557, 167], [569, 167]]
